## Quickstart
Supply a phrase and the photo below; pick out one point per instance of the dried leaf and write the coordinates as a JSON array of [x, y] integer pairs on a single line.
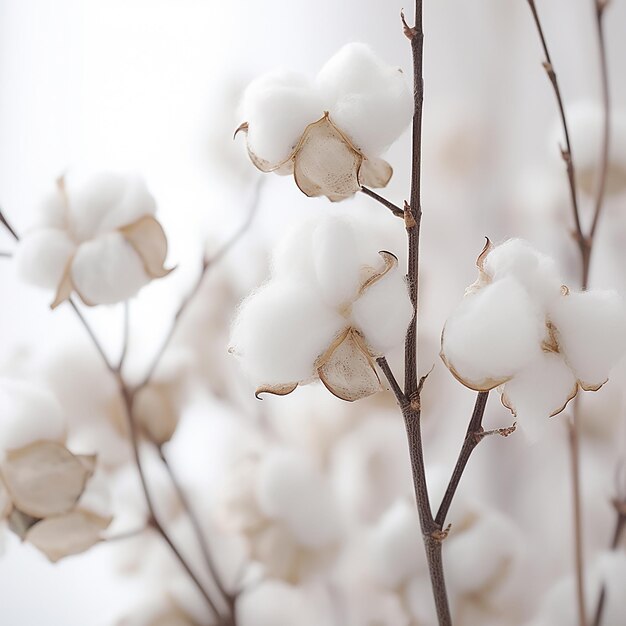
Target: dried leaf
[[373, 275], [66, 286], [347, 370], [375, 172], [5, 502], [64, 535], [276, 390], [148, 239], [154, 413], [20, 523], [326, 163], [44, 478]]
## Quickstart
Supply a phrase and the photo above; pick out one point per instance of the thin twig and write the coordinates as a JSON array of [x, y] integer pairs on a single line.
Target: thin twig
[[620, 526], [128, 398], [5, 255], [471, 440], [397, 211], [125, 338], [393, 383], [226, 595], [600, 6], [206, 264], [8, 226], [566, 152]]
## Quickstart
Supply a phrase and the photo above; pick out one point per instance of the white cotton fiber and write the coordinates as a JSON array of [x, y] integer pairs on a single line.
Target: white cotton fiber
[[383, 312], [483, 554], [134, 203], [536, 272], [107, 270], [538, 391], [397, 550], [42, 257], [492, 334], [591, 329], [292, 489], [28, 414], [278, 107], [280, 331], [369, 100], [336, 260], [90, 199], [274, 603]]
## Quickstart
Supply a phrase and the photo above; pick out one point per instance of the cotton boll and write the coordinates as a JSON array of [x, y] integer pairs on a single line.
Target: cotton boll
[[291, 488], [418, 597], [397, 550], [107, 270], [591, 328], [482, 557], [336, 261], [278, 107], [275, 604], [536, 272], [42, 257], [373, 607], [383, 312], [29, 414], [493, 333], [281, 330], [538, 391], [369, 100]]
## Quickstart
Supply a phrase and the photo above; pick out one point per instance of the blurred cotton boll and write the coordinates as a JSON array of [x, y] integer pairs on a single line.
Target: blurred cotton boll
[[97, 237]]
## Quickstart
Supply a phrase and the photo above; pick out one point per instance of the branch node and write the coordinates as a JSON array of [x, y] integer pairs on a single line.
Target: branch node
[[440, 535], [619, 506], [503, 432], [409, 220]]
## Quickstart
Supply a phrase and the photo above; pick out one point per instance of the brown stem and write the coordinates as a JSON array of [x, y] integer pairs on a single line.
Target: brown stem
[[620, 525], [128, 398], [566, 152], [228, 597], [8, 226], [600, 6], [472, 439], [126, 337], [409, 401], [397, 211]]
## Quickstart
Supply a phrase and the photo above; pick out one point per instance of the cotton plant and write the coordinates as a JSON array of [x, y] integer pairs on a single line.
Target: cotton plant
[[330, 132], [519, 329], [49, 496], [98, 238], [324, 313]]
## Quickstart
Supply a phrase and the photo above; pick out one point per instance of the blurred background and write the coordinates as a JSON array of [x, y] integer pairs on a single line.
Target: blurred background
[[153, 86]]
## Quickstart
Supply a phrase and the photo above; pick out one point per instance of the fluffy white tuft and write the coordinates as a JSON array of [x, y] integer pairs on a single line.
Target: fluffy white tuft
[[107, 270], [591, 330], [29, 414], [539, 391], [535, 271], [292, 489], [368, 99], [493, 333], [383, 312], [281, 330], [278, 107], [42, 257]]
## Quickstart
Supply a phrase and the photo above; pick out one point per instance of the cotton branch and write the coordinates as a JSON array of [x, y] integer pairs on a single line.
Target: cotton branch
[[585, 245], [397, 211]]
